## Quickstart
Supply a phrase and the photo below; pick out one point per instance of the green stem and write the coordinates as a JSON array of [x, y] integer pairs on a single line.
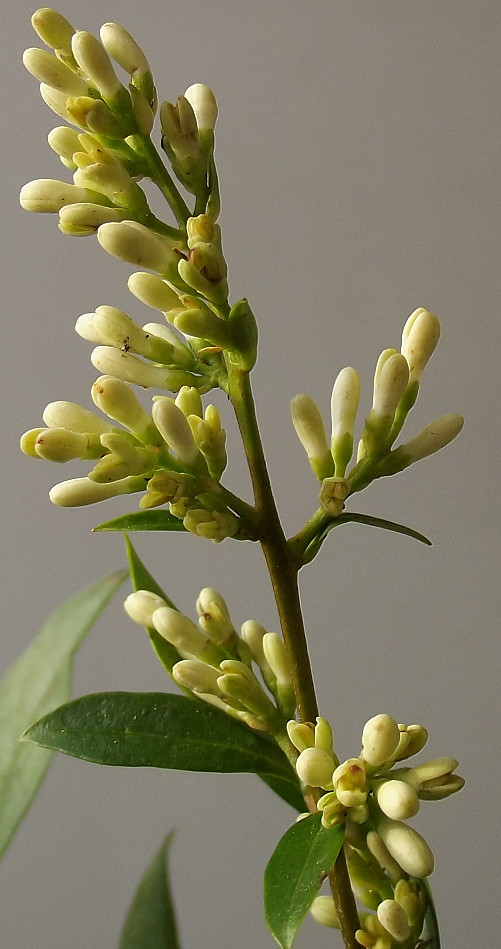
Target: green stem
[[158, 173], [283, 567]]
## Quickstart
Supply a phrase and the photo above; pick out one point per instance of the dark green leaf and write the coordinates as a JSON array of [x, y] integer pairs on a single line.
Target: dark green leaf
[[142, 580], [289, 790], [143, 521], [150, 922], [295, 873], [157, 730], [314, 545], [430, 935], [39, 681]]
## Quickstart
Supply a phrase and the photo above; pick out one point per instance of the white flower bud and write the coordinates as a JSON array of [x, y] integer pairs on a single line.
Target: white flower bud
[[117, 399], [420, 337], [95, 63], [123, 48], [344, 407], [153, 291], [333, 494], [28, 440], [197, 676], [302, 735], [213, 525], [324, 738], [175, 430], [276, 657], [315, 767], [141, 605], [123, 459], [125, 366], [138, 245], [182, 633], [394, 918], [47, 195], [214, 616], [53, 28], [64, 142], [81, 220], [350, 782], [239, 683], [435, 436], [383, 856], [390, 380], [407, 847], [56, 101], [48, 69], [324, 912], [203, 102], [380, 737], [61, 445], [189, 401], [397, 799], [74, 417], [310, 430], [412, 739], [83, 491]]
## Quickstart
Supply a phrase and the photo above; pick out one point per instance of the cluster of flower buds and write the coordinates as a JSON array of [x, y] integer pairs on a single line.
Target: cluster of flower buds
[[175, 454], [396, 384], [216, 664], [387, 859]]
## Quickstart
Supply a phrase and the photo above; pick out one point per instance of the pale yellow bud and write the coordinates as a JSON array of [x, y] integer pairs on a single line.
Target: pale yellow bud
[[175, 430], [310, 429], [182, 633], [333, 494], [119, 402], [344, 407], [394, 918], [95, 63], [276, 657], [137, 244], [412, 739], [383, 856], [214, 616], [56, 101], [390, 381], [189, 401], [124, 458], [315, 767], [125, 366], [203, 102], [52, 28], [323, 736], [28, 440], [47, 195], [81, 220], [213, 525], [397, 799], [350, 783], [48, 69], [302, 735], [65, 142], [435, 436], [123, 48], [380, 737], [324, 912], [407, 847], [141, 605], [197, 676], [420, 337], [83, 491], [74, 417], [153, 291], [61, 445]]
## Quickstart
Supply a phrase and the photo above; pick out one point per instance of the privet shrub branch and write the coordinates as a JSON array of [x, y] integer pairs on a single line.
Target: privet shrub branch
[[247, 700]]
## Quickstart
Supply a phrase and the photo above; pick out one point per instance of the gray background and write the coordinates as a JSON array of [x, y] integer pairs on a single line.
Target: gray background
[[358, 153]]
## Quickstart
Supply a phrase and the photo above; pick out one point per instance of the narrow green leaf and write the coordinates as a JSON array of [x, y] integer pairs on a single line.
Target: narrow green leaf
[[151, 922], [288, 789], [295, 873], [143, 521], [143, 580], [314, 545], [37, 682], [157, 730], [430, 935]]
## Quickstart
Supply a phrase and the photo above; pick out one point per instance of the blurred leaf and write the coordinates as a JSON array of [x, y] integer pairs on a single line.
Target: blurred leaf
[[150, 922], [288, 789], [295, 873], [37, 682], [314, 545], [143, 521], [430, 935], [157, 730]]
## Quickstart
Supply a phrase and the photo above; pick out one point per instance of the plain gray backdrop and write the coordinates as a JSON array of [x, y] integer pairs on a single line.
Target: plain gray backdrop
[[358, 151]]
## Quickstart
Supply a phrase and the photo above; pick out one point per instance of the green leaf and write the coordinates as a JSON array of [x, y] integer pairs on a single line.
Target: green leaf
[[150, 922], [430, 935], [36, 683], [295, 873], [157, 730], [143, 521], [314, 545], [142, 580], [288, 789]]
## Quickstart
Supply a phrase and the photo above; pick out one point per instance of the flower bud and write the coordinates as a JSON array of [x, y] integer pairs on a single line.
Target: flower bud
[[333, 812], [153, 291], [412, 739], [128, 368], [410, 895], [276, 657], [117, 399], [204, 105], [53, 28], [48, 69], [82, 220], [179, 129], [197, 676], [119, 44], [383, 856], [115, 328], [253, 635], [210, 438], [95, 63], [214, 525], [64, 142], [323, 736], [61, 445], [203, 324], [344, 407], [302, 735], [81, 491], [123, 458], [420, 337], [47, 195], [28, 440], [205, 272], [390, 380], [310, 430], [435, 436], [74, 417], [394, 918], [184, 635], [324, 912], [315, 767], [350, 783], [380, 737], [407, 847], [169, 486], [189, 401], [397, 799], [56, 101], [213, 615], [175, 430], [239, 683], [333, 494], [141, 605], [137, 245]]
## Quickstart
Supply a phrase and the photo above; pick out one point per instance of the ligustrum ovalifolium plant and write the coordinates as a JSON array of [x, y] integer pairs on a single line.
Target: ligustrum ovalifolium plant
[[246, 700]]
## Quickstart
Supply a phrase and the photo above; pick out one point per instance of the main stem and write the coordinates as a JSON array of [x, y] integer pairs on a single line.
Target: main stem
[[283, 568]]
